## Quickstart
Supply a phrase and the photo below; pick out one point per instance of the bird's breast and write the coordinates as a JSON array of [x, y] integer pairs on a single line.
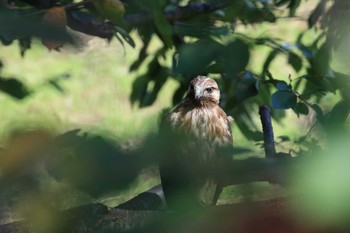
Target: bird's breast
[[208, 124]]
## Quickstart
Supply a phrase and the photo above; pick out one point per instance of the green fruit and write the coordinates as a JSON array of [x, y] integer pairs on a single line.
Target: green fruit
[[113, 10]]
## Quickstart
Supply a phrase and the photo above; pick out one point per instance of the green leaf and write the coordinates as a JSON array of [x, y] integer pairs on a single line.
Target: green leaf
[[179, 93], [142, 54], [272, 55], [317, 13], [246, 86], [282, 2], [194, 58], [320, 61], [159, 79], [200, 31], [295, 61], [162, 24], [234, 57], [139, 88], [283, 99], [293, 6], [247, 132], [319, 113], [283, 86], [338, 116], [125, 36], [301, 108]]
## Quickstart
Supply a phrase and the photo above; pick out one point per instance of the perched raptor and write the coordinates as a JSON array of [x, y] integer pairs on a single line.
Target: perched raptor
[[197, 140]]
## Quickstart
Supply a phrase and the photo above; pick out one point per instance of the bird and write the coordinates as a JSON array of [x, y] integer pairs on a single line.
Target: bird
[[197, 140]]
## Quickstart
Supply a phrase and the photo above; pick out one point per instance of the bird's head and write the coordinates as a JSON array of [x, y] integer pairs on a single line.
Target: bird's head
[[204, 90]]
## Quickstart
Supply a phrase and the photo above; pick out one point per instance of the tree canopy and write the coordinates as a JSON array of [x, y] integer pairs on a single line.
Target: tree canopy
[[203, 37]]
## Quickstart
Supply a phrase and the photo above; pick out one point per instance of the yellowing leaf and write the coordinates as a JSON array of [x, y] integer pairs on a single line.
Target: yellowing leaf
[[113, 10], [56, 18]]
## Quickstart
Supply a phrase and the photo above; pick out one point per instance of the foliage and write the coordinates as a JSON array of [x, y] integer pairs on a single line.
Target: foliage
[[201, 37]]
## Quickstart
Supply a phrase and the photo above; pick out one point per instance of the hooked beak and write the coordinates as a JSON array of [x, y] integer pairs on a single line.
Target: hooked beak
[[197, 94]]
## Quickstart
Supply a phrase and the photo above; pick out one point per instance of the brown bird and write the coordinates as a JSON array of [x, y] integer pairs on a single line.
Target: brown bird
[[198, 141]]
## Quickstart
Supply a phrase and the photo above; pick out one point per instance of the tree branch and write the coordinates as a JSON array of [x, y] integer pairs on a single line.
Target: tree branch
[[146, 208], [269, 143], [179, 13]]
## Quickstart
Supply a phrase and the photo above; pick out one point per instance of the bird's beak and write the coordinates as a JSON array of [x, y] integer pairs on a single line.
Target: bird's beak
[[197, 94]]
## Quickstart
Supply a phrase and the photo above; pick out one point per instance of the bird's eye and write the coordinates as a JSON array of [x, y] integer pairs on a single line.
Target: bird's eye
[[209, 90]]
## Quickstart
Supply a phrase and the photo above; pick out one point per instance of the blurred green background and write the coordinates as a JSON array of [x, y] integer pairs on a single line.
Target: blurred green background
[[88, 87], [93, 89]]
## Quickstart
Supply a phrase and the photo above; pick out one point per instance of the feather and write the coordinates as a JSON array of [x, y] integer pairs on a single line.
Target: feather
[[198, 137]]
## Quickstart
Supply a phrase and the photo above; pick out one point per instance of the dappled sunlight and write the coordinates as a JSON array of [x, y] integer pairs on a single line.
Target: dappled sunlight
[[110, 123]]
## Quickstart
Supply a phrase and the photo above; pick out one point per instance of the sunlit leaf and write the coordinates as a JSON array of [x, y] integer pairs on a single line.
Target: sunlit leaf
[[113, 10]]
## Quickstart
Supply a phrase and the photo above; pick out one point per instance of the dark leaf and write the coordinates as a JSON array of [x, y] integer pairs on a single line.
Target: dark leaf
[[284, 138], [24, 45], [282, 2], [14, 88], [194, 58], [92, 164], [246, 86], [86, 23], [301, 108], [164, 29], [126, 36], [142, 55], [283, 99], [322, 83], [56, 86], [159, 79], [305, 50], [293, 6], [139, 88], [234, 57], [295, 61], [283, 86], [317, 13], [319, 113], [320, 61], [200, 31], [249, 133], [269, 59], [338, 116], [179, 93]]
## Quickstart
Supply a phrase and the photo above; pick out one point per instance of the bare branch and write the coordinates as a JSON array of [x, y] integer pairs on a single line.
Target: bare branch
[[269, 143]]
